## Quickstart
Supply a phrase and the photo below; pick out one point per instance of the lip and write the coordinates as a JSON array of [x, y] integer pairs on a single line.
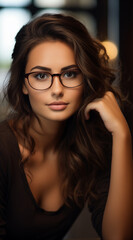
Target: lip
[[58, 106]]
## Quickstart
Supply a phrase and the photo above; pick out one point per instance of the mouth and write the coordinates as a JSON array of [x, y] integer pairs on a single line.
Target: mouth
[[57, 106]]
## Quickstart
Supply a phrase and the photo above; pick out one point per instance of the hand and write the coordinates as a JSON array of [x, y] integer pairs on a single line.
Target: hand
[[110, 113]]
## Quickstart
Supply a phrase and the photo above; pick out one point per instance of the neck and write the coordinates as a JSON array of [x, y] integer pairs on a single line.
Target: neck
[[46, 133]]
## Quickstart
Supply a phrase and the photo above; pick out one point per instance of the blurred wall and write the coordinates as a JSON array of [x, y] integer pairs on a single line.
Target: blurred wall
[[105, 27], [126, 54]]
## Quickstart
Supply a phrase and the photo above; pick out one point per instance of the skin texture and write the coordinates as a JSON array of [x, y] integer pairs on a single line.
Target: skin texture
[[45, 184], [112, 116], [53, 55], [118, 214]]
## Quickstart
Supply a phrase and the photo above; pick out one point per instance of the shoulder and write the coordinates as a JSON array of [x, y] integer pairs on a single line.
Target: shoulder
[[5, 131], [9, 149], [8, 141], [4, 126]]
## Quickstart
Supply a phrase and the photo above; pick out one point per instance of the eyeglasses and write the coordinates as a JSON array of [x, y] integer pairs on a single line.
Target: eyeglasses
[[44, 80]]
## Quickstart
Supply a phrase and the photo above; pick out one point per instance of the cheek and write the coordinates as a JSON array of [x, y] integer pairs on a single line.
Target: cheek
[[79, 95], [77, 98]]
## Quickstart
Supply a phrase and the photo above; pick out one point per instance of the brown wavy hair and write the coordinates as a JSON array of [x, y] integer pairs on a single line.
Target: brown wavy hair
[[85, 149]]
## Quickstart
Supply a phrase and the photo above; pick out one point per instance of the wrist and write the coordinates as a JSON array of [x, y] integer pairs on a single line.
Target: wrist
[[122, 133]]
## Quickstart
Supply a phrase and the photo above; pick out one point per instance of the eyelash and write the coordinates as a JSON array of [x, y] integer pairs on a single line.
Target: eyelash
[[73, 72]]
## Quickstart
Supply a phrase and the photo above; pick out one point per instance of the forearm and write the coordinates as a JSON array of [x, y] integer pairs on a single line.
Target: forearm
[[118, 214]]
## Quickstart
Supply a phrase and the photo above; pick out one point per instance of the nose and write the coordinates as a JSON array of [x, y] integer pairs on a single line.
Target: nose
[[57, 88]]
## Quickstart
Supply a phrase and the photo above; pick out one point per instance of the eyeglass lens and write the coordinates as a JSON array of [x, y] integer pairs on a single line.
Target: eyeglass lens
[[43, 80]]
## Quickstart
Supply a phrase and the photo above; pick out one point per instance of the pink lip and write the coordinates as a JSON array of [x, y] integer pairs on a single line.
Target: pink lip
[[57, 106]]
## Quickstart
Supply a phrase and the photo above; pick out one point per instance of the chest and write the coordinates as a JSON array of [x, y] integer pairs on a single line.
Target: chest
[[43, 179]]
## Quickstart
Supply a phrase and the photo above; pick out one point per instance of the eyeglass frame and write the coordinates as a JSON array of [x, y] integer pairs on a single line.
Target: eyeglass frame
[[26, 75]]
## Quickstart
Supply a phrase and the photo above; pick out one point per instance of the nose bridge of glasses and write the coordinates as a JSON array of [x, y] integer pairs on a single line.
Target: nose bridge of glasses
[[58, 75], [58, 82]]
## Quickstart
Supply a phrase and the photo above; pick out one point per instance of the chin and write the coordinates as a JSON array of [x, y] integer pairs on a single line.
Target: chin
[[60, 116]]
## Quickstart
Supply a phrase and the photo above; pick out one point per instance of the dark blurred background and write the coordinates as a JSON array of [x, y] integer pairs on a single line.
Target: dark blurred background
[[111, 21]]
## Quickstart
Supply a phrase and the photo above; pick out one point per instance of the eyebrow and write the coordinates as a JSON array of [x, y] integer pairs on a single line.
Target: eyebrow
[[49, 69]]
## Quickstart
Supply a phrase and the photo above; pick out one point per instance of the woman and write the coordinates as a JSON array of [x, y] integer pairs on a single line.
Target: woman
[[66, 142]]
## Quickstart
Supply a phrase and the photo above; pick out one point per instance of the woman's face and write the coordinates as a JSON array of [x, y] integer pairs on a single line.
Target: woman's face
[[57, 103]]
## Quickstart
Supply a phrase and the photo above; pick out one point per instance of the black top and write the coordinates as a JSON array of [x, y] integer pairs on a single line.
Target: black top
[[20, 216]]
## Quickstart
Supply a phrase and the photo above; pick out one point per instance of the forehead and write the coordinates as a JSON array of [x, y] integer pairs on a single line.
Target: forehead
[[51, 54]]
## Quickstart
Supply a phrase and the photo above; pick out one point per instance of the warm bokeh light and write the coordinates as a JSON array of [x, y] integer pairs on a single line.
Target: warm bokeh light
[[111, 49]]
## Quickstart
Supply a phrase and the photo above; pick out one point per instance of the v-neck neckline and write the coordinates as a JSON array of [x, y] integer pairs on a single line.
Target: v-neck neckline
[[27, 184]]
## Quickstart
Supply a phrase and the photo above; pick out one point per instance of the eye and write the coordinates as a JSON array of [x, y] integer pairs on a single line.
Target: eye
[[70, 74], [41, 76]]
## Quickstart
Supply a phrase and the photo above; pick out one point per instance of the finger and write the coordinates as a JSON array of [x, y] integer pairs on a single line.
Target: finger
[[89, 107]]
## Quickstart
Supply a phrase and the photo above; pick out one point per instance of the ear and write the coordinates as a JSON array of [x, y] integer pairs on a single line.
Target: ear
[[24, 89]]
